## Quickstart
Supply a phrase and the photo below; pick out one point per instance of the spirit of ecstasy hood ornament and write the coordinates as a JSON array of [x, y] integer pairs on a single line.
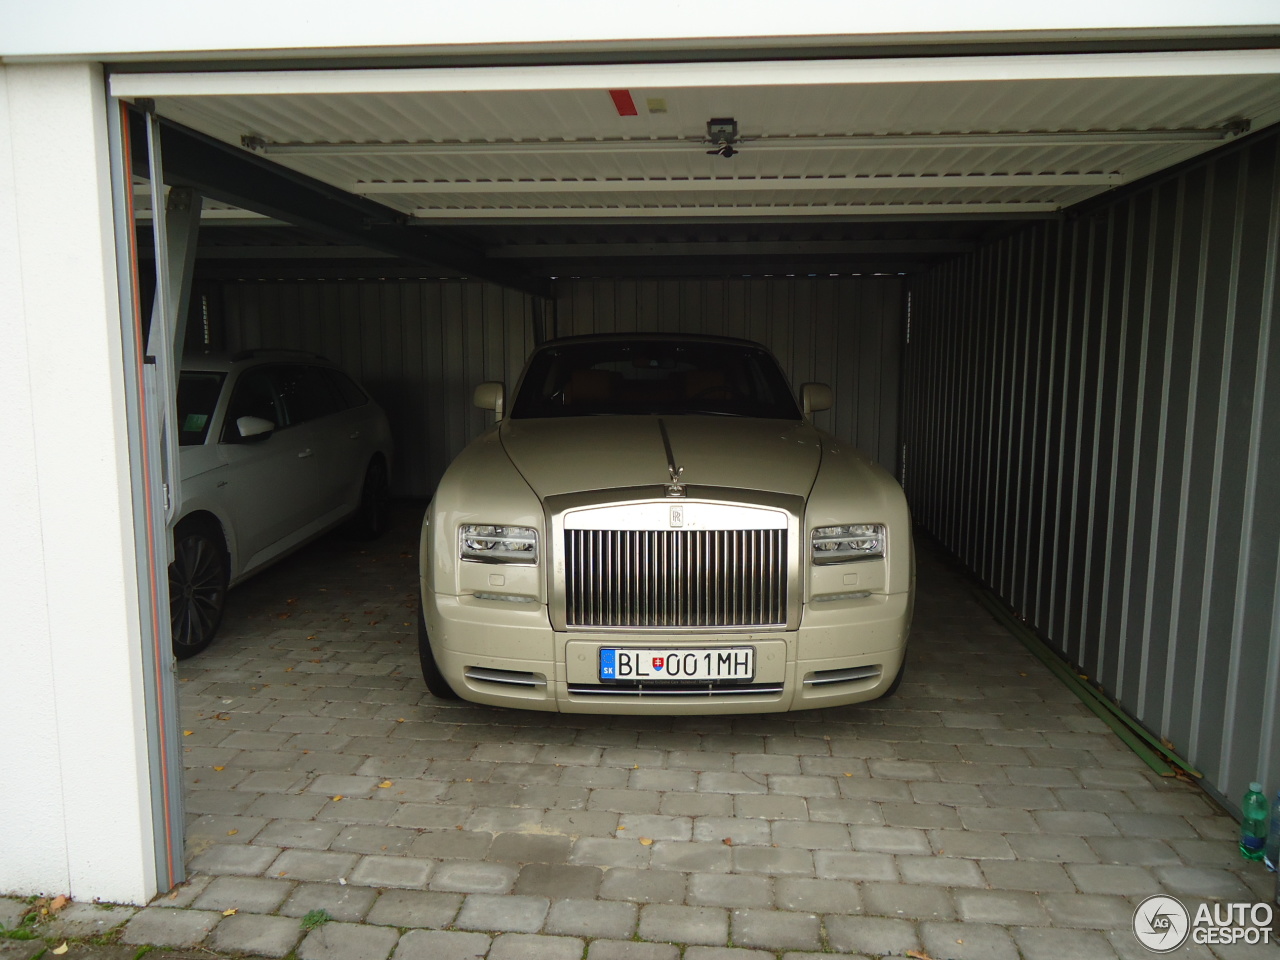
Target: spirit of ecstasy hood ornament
[[675, 488]]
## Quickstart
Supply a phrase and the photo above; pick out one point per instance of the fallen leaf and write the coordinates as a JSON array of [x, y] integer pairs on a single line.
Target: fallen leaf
[[399, 719], [848, 774], [727, 841], [384, 784], [187, 733], [337, 796], [288, 669], [60, 950], [229, 912], [292, 600], [60, 901], [622, 828], [918, 955], [232, 832], [219, 769], [312, 637], [647, 841], [468, 779]]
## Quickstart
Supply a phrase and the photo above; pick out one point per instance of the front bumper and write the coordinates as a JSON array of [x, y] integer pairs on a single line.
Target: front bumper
[[507, 654]]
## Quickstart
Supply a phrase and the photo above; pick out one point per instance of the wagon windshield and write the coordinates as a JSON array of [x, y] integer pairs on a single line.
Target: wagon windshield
[[621, 377]]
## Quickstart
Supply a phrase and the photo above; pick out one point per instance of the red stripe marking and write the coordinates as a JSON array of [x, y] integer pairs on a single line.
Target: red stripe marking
[[625, 105]]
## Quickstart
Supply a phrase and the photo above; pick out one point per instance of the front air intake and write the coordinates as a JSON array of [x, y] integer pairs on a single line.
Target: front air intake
[[675, 578]]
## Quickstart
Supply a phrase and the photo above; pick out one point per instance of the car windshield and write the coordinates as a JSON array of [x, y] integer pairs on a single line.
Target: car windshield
[[197, 396], [672, 378]]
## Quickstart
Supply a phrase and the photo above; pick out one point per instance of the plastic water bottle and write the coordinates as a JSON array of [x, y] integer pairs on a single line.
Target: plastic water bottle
[[1272, 855], [1253, 823]]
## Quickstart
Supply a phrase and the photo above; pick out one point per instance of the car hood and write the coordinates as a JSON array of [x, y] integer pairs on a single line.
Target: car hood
[[573, 454]]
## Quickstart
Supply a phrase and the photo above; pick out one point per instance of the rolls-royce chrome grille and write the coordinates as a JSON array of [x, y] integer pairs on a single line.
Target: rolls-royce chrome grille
[[675, 578]]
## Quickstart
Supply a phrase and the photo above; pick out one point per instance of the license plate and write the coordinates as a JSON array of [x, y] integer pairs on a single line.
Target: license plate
[[632, 663]]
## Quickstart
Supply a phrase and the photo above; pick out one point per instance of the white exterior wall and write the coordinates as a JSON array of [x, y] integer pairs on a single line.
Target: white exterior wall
[[159, 29], [74, 794]]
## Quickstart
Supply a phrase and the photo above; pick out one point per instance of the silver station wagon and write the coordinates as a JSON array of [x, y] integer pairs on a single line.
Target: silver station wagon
[[654, 526], [277, 447]]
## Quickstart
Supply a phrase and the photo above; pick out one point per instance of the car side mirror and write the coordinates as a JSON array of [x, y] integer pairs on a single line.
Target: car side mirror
[[251, 427], [815, 397], [491, 395]]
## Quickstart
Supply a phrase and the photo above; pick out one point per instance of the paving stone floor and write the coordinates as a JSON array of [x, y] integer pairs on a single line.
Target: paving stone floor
[[982, 812]]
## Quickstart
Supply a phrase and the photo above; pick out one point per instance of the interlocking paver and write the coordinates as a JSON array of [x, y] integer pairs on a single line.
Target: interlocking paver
[[731, 890], [348, 941], [967, 941], [530, 848], [517, 913], [775, 930], [623, 950], [643, 886], [254, 934], [441, 945], [1009, 907], [592, 918], [243, 860], [680, 924], [816, 896], [465, 876], [771, 860], [907, 900], [170, 927], [415, 908], [520, 946], [249, 894], [342, 902], [378, 871], [559, 880], [314, 865]]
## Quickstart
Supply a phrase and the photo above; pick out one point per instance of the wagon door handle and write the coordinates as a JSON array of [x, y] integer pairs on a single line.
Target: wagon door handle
[[305, 453]]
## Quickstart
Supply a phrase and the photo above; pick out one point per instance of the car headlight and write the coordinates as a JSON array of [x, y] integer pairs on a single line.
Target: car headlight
[[849, 542], [491, 543]]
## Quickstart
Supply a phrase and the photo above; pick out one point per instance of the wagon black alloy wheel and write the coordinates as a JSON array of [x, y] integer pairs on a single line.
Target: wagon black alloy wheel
[[197, 589]]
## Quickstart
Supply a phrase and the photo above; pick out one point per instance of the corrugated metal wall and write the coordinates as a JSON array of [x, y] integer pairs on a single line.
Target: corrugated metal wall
[[1092, 417], [421, 346]]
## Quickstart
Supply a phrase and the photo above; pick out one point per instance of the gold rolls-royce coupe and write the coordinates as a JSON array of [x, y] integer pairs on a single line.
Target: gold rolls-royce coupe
[[653, 525]]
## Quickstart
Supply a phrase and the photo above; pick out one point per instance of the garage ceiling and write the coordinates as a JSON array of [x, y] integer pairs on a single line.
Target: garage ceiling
[[545, 171]]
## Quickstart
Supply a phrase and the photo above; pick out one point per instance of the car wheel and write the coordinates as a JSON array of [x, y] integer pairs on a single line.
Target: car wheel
[[374, 513], [437, 685], [197, 586]]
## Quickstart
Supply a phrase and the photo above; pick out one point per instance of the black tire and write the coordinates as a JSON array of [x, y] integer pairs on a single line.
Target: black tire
[[197, 586], [437, 685], [897, 681], [373, 516]]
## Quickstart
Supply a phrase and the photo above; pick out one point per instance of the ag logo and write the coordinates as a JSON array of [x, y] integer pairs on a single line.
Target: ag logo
[[1161, 924]]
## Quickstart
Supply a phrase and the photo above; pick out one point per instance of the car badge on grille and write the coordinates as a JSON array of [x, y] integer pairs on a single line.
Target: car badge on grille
[[677, 516]]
